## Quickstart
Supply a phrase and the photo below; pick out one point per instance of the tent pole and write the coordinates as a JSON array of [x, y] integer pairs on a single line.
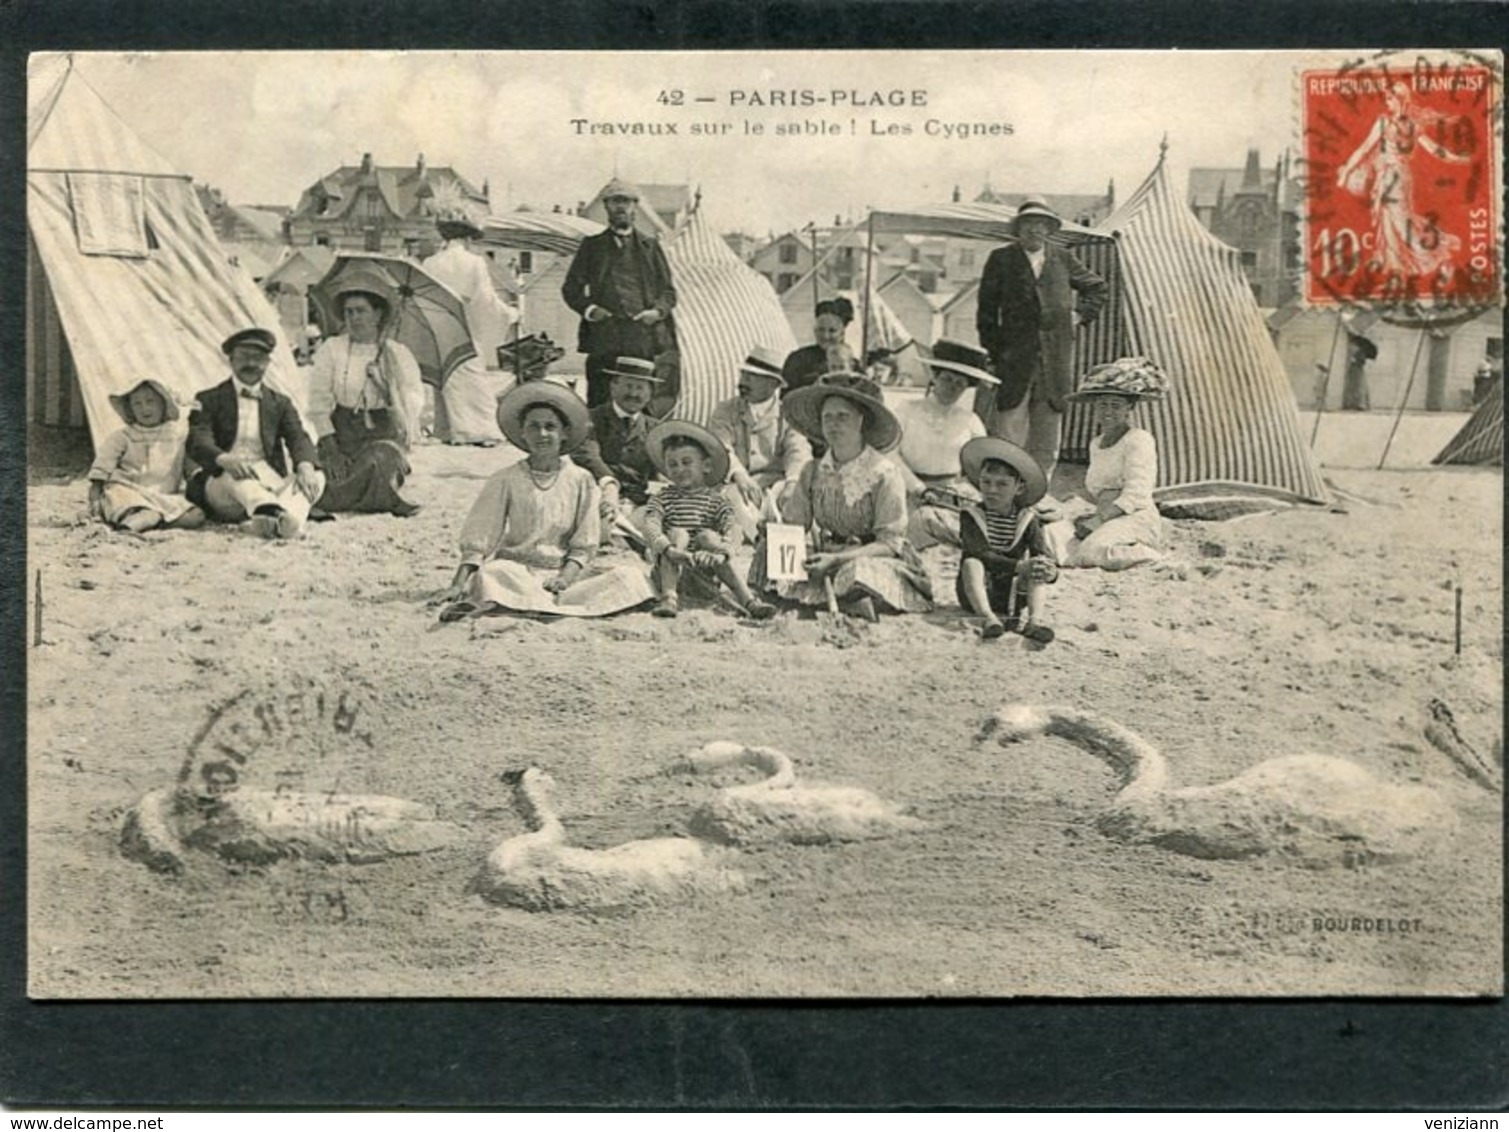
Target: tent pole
[[1325, 386], [817, 295], [1403, 401], [864, 334]]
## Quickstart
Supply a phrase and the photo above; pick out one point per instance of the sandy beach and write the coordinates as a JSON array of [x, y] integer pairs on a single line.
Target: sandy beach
[[1307, 630]]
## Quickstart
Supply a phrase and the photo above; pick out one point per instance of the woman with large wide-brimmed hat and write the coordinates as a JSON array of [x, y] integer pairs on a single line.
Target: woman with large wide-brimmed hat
[[1125, 529], [365, 400], [531, 541], [934, 429], [852, 502]]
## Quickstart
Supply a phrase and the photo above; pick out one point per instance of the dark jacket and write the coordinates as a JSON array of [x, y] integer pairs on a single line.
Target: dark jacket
[[1026, 324], [608, 450], [212, 433], [620, 335]]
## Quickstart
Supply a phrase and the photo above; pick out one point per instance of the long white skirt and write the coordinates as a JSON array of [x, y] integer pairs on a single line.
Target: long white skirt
[[610, 583]]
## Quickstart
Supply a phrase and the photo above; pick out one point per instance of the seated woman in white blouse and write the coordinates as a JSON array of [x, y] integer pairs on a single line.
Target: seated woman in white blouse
[[934, 429], [1126, 529], [365, 399]]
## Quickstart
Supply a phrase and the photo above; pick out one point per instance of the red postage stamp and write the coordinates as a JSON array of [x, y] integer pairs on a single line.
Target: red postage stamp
[[1401, 185]]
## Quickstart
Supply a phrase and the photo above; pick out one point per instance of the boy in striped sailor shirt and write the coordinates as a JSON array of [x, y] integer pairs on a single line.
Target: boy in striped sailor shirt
[[1007, 562], [688, 523]]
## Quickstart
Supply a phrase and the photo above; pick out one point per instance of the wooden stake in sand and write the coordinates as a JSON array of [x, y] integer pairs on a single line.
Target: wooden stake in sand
[[1458, 650], [36, 633]]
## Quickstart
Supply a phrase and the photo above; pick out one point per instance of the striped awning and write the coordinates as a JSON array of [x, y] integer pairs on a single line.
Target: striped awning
[[556, 232], [1481, 439], [723, 307], [1230, 418]]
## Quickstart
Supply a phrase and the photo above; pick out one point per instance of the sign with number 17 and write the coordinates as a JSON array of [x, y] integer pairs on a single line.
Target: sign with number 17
[[785, 551]]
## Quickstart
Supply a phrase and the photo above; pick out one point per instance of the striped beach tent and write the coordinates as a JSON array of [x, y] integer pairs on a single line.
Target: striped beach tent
[[1481, 439], [1100, 341], [125, 277], [723, 306], [1229, 428]]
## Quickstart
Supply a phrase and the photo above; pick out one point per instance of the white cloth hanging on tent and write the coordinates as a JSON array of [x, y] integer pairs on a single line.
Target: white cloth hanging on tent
[[109, 213]]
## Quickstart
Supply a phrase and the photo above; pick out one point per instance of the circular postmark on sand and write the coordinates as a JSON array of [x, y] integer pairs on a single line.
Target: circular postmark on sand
[[283, 768], [1401, 187]]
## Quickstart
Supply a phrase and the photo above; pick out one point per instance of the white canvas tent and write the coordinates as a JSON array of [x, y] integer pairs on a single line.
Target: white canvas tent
[[125, 277]]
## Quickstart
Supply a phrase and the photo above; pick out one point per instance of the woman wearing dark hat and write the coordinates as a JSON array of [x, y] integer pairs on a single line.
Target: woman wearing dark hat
[[828, 354], [1126, 529], [852, 502], [530, 543], [365, 399], [934, 428], [465, 408]]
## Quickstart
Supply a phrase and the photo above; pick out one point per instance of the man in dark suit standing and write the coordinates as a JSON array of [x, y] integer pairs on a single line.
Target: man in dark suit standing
[[1026, 319], [620, 284], [243, 436]]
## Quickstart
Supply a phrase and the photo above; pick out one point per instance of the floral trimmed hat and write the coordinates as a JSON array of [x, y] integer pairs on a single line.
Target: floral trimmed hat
[[1136, 378]]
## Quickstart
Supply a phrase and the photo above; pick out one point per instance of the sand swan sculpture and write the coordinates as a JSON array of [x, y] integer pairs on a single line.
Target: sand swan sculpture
[[781, 808], [540, 872], [1314, 808], [256, 827]]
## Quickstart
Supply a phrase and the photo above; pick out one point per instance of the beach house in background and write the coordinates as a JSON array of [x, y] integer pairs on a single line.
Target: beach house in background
[[1257, 211], [381, 208]]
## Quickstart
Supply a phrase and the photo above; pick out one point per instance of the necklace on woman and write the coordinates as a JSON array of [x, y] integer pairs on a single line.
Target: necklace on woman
[[544, 480]]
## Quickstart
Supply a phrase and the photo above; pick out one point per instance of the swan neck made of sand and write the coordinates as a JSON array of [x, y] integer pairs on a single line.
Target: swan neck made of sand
[[776, 765], [532, 800], [1143, 771]]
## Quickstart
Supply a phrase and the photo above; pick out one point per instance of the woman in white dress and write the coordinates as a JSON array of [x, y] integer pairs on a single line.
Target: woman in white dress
[[934, 430], [531, 541], [1125, 529], [365, 400]]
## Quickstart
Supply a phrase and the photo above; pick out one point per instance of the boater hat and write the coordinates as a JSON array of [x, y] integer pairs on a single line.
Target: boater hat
[[521, 398], [625, 366], [804, 408], [976, 452], [119, 401], [253, 336], [667, 432], [1135, 378], [1036, 206], [371, 285], [956, 357], [762, 361]]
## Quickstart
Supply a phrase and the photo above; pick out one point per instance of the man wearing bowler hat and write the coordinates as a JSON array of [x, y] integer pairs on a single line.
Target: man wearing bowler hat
[[620, 285], [1026, 317], [243, 436]]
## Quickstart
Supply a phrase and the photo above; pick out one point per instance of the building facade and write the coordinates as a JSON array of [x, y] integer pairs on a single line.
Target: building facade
[[389, 209]]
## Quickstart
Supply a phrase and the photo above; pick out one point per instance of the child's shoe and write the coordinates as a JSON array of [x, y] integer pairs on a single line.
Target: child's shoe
[[992, 630], [864, 609], [264, 526], [1039, 633], [667, 606], [760, 609]]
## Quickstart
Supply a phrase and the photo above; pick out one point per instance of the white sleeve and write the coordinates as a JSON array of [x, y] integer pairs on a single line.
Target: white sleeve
[[1139, 472]]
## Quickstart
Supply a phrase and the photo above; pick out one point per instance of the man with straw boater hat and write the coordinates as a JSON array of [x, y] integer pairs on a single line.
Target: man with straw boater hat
[[620, 284], [1026, 317], [767, 453], [614, 450]]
